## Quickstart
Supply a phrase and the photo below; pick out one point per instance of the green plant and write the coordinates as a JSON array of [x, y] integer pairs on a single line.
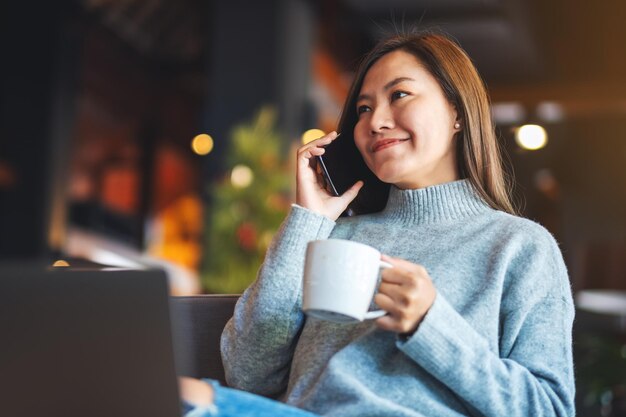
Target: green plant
[[248, 205]]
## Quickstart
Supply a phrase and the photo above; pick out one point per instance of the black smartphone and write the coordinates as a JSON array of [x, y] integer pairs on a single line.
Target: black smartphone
[[328, 184], [322, 172]]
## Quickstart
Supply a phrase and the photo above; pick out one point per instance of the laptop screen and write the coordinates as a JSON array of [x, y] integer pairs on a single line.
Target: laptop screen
[[78, 343]]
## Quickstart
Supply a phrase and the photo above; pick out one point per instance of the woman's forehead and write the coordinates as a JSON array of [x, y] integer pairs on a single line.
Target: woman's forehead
[[393, 66]]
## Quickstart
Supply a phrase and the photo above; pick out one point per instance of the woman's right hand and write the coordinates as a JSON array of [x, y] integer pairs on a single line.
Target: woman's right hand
[[310, 194]]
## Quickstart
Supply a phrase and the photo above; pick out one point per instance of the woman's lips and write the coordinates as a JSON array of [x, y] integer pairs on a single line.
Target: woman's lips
[[386, 143]]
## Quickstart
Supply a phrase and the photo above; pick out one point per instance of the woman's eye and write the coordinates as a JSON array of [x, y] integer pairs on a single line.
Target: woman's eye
[[398, 94], [362, 109]]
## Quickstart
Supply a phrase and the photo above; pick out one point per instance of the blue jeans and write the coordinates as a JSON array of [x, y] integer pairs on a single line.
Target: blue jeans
[[234, 403]]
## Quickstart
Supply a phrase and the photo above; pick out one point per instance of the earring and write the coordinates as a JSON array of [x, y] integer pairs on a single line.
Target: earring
[[457, 125]]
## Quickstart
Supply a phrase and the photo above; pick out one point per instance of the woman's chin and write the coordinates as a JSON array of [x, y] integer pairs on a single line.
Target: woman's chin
[[403, 182], [388, 178], [389, 173]]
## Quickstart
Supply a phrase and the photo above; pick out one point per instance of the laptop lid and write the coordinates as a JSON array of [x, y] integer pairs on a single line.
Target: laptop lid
[[85, 343]]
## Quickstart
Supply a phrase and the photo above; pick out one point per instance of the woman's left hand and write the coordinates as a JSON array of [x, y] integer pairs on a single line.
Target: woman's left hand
[[406, 293], [195, 391]]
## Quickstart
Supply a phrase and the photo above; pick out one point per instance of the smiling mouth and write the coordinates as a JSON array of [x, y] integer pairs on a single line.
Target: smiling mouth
[[386, 143]]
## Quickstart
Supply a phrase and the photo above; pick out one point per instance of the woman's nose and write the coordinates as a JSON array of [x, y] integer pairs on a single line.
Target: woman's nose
[[381, 119]]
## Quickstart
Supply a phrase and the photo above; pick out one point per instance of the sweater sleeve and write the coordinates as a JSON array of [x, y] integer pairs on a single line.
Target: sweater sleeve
[[532, 374], [257, 344]]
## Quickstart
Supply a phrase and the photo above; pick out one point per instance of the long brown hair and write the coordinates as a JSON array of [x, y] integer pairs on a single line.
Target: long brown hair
[[479, 156]]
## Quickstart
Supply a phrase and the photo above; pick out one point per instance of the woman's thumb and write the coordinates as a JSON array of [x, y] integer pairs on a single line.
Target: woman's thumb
[[352, 192]]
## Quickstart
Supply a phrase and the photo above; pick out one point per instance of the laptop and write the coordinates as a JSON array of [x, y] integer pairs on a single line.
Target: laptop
[[85, 343]]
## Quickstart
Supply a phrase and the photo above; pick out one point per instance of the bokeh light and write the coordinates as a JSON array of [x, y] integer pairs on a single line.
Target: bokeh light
[[202, 144], [531, 137], [550, 111], [311, 135], [61, 263], [241, 176]]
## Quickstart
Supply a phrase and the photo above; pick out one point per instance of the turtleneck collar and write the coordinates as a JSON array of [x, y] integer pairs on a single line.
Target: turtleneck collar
[[443, 202]]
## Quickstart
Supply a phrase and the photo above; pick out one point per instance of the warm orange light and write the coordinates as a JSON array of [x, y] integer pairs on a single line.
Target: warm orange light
[[311, 135], [202, 144], [61, 263]]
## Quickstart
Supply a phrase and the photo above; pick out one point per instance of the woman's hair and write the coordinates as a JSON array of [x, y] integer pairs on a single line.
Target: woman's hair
[[478, 154]]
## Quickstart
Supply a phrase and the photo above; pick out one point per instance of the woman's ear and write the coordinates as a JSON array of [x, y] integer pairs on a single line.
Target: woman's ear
[[458, 123]]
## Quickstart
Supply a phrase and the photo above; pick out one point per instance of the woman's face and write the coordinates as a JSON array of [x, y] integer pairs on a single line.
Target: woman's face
[[405, 128]]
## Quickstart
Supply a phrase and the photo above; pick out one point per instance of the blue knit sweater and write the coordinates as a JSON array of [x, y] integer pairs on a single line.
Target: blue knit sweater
[[496, 341]]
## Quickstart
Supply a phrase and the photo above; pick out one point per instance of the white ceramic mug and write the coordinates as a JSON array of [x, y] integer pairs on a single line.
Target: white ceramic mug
[[340, 279]]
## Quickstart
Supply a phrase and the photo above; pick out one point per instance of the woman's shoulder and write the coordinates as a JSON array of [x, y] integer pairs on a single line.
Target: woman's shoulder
[[535, 261], [527, 244], [521, 229]]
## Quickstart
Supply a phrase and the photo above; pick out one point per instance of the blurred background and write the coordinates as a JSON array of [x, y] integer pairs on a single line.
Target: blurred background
[[153, 133]]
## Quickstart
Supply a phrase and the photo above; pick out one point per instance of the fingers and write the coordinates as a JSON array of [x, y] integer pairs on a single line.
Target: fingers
[[316, 145], [311, 152], [403, 272], [390, 324], [406, 293], [402, 295], [385, 302], [311, 190], [403, 264], [396, 320]]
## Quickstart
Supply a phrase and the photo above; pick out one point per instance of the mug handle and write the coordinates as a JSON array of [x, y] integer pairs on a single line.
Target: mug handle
[[378, 313]]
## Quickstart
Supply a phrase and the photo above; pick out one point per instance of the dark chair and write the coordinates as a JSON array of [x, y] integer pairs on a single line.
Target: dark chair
[[198, 322]]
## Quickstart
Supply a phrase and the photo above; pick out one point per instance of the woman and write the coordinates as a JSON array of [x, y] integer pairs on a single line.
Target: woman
[[479, 304]]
